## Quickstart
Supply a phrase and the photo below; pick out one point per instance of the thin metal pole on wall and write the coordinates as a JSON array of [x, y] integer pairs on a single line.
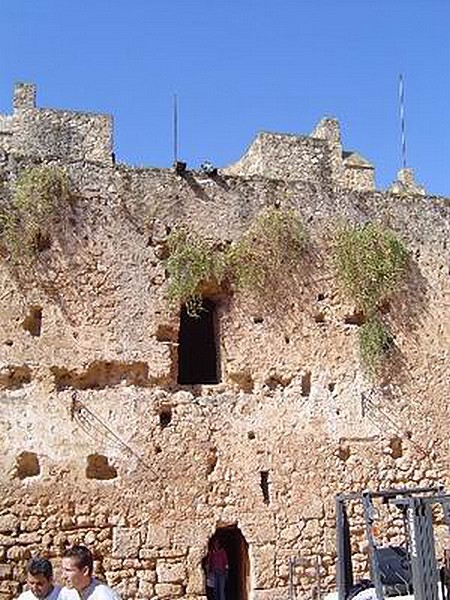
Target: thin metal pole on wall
[[401, 94], [175, 129]]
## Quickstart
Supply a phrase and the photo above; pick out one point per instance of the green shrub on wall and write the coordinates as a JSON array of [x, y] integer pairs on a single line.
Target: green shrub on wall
[[371, 263], [268, 251], [27, 219], [192, 261], [375, 344]]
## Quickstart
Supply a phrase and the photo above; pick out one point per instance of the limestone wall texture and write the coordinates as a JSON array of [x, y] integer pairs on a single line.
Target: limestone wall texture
[[99, 443]]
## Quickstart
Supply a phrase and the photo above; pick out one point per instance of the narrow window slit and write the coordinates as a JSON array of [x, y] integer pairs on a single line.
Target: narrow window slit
[[265, 486]]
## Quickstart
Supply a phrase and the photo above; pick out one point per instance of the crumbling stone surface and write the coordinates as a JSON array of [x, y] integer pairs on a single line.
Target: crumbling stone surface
[[292, 402]]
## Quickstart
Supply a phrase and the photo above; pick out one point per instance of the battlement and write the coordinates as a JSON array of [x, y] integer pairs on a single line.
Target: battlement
[[71, 136], [314, 158], [54, 134]]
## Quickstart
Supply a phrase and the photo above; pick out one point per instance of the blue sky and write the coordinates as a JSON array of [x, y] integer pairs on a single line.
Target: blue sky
[[239, 67]]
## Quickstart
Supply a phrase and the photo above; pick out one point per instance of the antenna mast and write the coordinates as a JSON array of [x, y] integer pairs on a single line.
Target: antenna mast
[[175, 129], [401, 92]]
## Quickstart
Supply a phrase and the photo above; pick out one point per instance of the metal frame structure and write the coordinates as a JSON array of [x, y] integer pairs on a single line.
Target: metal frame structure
[[419, 570]]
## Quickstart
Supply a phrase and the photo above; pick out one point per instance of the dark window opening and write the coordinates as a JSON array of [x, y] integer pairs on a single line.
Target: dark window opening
[[33, 321], [265, 486], [197, 348], [306, 384], [165, 416]]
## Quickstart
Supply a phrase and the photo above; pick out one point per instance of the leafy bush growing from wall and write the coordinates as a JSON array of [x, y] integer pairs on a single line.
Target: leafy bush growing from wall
[[269, 250], [375, 344], [371, 263], [25, 222], [192, 261]]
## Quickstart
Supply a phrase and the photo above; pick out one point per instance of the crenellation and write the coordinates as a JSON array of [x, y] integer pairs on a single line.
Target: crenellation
[[42, 133], [24, 96]]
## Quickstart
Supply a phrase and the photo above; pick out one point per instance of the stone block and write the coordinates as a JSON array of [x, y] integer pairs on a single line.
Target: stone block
[[168, 590], [170, 572], [262, 560], [126, 542], [157, 536], [258, 530], [271, 594], [146, 588], [8, 523], [5, 571]]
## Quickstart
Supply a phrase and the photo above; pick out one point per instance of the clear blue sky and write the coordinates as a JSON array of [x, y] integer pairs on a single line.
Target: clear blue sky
[[239, 67]]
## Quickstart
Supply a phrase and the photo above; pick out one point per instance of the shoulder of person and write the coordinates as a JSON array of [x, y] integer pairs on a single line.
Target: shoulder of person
[[65, 593], [56, 593], [102, 591], [26, 595]]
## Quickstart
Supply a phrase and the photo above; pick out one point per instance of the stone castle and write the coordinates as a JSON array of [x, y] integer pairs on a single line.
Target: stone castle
[[124, 429]]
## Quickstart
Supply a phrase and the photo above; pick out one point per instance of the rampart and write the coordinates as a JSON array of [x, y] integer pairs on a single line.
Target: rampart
[[102, 445], [54, 134]]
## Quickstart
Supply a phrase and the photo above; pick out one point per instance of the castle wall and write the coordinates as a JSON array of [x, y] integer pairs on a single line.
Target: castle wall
[[44, 133], [282, 156], [99, 444], [359, 178]]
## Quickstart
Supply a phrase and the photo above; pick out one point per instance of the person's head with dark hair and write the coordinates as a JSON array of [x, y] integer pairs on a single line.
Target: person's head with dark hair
[[40, 576], [77, 564]]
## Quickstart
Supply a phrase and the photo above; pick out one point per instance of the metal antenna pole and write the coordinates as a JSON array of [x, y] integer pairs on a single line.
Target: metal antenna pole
[[175, 129], [401, 92]]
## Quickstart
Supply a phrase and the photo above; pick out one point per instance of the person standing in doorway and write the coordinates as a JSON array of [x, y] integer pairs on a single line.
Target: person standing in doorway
[[218, 567]]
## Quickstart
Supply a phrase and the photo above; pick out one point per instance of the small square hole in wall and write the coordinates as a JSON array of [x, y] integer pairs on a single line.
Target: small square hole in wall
[[27, 465], [165, 416], [356, 318], [98, 467], [33, 321]]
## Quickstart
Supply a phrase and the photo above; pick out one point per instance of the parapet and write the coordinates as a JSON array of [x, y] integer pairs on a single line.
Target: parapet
[[315, 158], [54, 134], [406, 184], [72, 136]]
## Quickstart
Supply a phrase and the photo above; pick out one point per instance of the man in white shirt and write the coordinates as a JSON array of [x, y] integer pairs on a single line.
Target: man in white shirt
[[77, 567], [40, 581]]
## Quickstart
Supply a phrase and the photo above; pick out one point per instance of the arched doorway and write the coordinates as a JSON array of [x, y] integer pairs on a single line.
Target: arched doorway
[[234, 544]]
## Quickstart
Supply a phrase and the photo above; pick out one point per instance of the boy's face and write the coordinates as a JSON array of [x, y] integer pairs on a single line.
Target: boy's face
[[74, 576], [39, 585]]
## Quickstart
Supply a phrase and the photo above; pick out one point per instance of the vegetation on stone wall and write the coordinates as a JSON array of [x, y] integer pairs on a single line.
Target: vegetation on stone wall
[[371, 262], [268, 251], [376, 343], [26, 220], [192, 261]]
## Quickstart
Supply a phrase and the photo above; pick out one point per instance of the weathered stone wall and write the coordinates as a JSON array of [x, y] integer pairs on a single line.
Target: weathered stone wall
[[282, 156], [101, 445], [54, 134]]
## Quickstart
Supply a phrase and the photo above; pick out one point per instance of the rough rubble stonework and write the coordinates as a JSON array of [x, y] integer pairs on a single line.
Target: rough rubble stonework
[[99, 443]]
